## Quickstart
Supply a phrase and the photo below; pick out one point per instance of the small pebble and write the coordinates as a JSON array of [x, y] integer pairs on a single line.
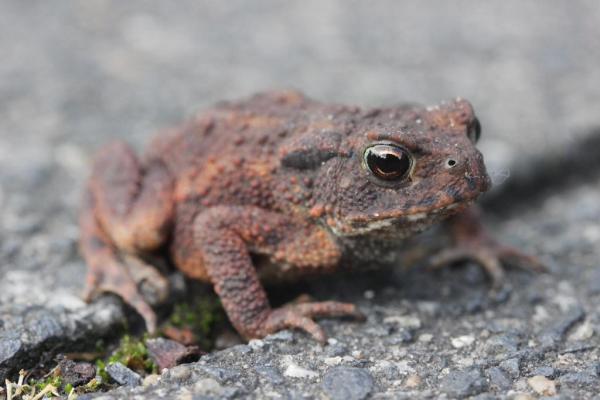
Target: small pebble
[[462, 341], [548, 372], [345, 383], [412, 382], [151, 380], [333, 361], [463, 383], [512, 366], [256, 344], [405, 321], [76, 373], [336, 349], [579, 379], [523, 396], [123, 375], [542, 385], [425, 338], [180, 373], [582, 332], [499, 378], [502, 343], [168, 353]]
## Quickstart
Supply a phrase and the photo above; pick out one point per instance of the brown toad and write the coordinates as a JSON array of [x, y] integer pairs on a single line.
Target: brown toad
[[280, 186]]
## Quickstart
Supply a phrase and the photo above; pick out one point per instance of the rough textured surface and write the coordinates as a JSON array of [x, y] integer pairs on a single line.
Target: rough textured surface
[[32, 334], [104, 69]]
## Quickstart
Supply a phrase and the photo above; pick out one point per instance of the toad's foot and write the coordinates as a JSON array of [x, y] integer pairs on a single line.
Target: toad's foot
[[300, 316], [473, 242], [122, 278], [490, 255]]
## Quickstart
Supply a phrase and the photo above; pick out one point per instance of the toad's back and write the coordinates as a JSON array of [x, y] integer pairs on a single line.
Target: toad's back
[[228, 156], [233, 132]]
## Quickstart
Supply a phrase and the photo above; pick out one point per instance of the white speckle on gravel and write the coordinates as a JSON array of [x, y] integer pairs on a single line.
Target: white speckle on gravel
[[404, 321], [293, 370], [425, 338], [333, 361], [256, 344], [582, 332], [404, 368], [462, 341]]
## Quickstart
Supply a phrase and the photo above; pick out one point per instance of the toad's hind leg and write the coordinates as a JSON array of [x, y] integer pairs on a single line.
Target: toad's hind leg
[[126, 212]]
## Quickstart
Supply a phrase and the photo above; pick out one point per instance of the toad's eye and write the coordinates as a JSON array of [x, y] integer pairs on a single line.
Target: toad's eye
[[474, 130], [387, 161]]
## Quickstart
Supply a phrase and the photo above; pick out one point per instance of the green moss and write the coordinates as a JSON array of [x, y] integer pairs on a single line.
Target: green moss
[[101, 371], [26, 389], [200, 316], [94, 385], [68, 387], [134, 354], [40, 385]]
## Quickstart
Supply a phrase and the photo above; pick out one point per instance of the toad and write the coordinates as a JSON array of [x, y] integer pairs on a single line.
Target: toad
[[279, 186]]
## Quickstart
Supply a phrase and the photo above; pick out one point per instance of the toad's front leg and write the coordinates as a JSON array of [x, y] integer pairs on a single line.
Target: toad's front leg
[[225, 236], [473, 242]]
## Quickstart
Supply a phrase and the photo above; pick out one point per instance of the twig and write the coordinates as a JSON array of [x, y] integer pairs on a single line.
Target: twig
[[47, 389], [8, 389]]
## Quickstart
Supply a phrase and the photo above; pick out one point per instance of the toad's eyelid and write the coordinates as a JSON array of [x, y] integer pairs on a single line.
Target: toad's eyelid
[[408, 142]]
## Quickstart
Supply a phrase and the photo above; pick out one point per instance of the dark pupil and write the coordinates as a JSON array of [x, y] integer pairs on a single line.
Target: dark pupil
[[388, 162]]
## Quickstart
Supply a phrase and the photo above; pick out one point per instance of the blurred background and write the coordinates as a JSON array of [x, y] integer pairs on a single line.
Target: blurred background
[[74, 75]]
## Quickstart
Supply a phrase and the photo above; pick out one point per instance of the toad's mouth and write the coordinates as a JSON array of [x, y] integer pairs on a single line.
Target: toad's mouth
[[398, 224], [413, 214]]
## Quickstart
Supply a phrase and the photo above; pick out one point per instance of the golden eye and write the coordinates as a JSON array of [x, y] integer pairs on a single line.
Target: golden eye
[[388, 162]]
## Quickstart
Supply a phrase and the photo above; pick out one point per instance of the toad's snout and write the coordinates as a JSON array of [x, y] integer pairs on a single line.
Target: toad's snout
[[476, 174], [473, 169]]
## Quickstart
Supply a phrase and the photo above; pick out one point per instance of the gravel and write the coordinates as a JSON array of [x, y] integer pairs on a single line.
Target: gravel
[[99, 70], [344, 383], [123, 375], [463, 383]]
